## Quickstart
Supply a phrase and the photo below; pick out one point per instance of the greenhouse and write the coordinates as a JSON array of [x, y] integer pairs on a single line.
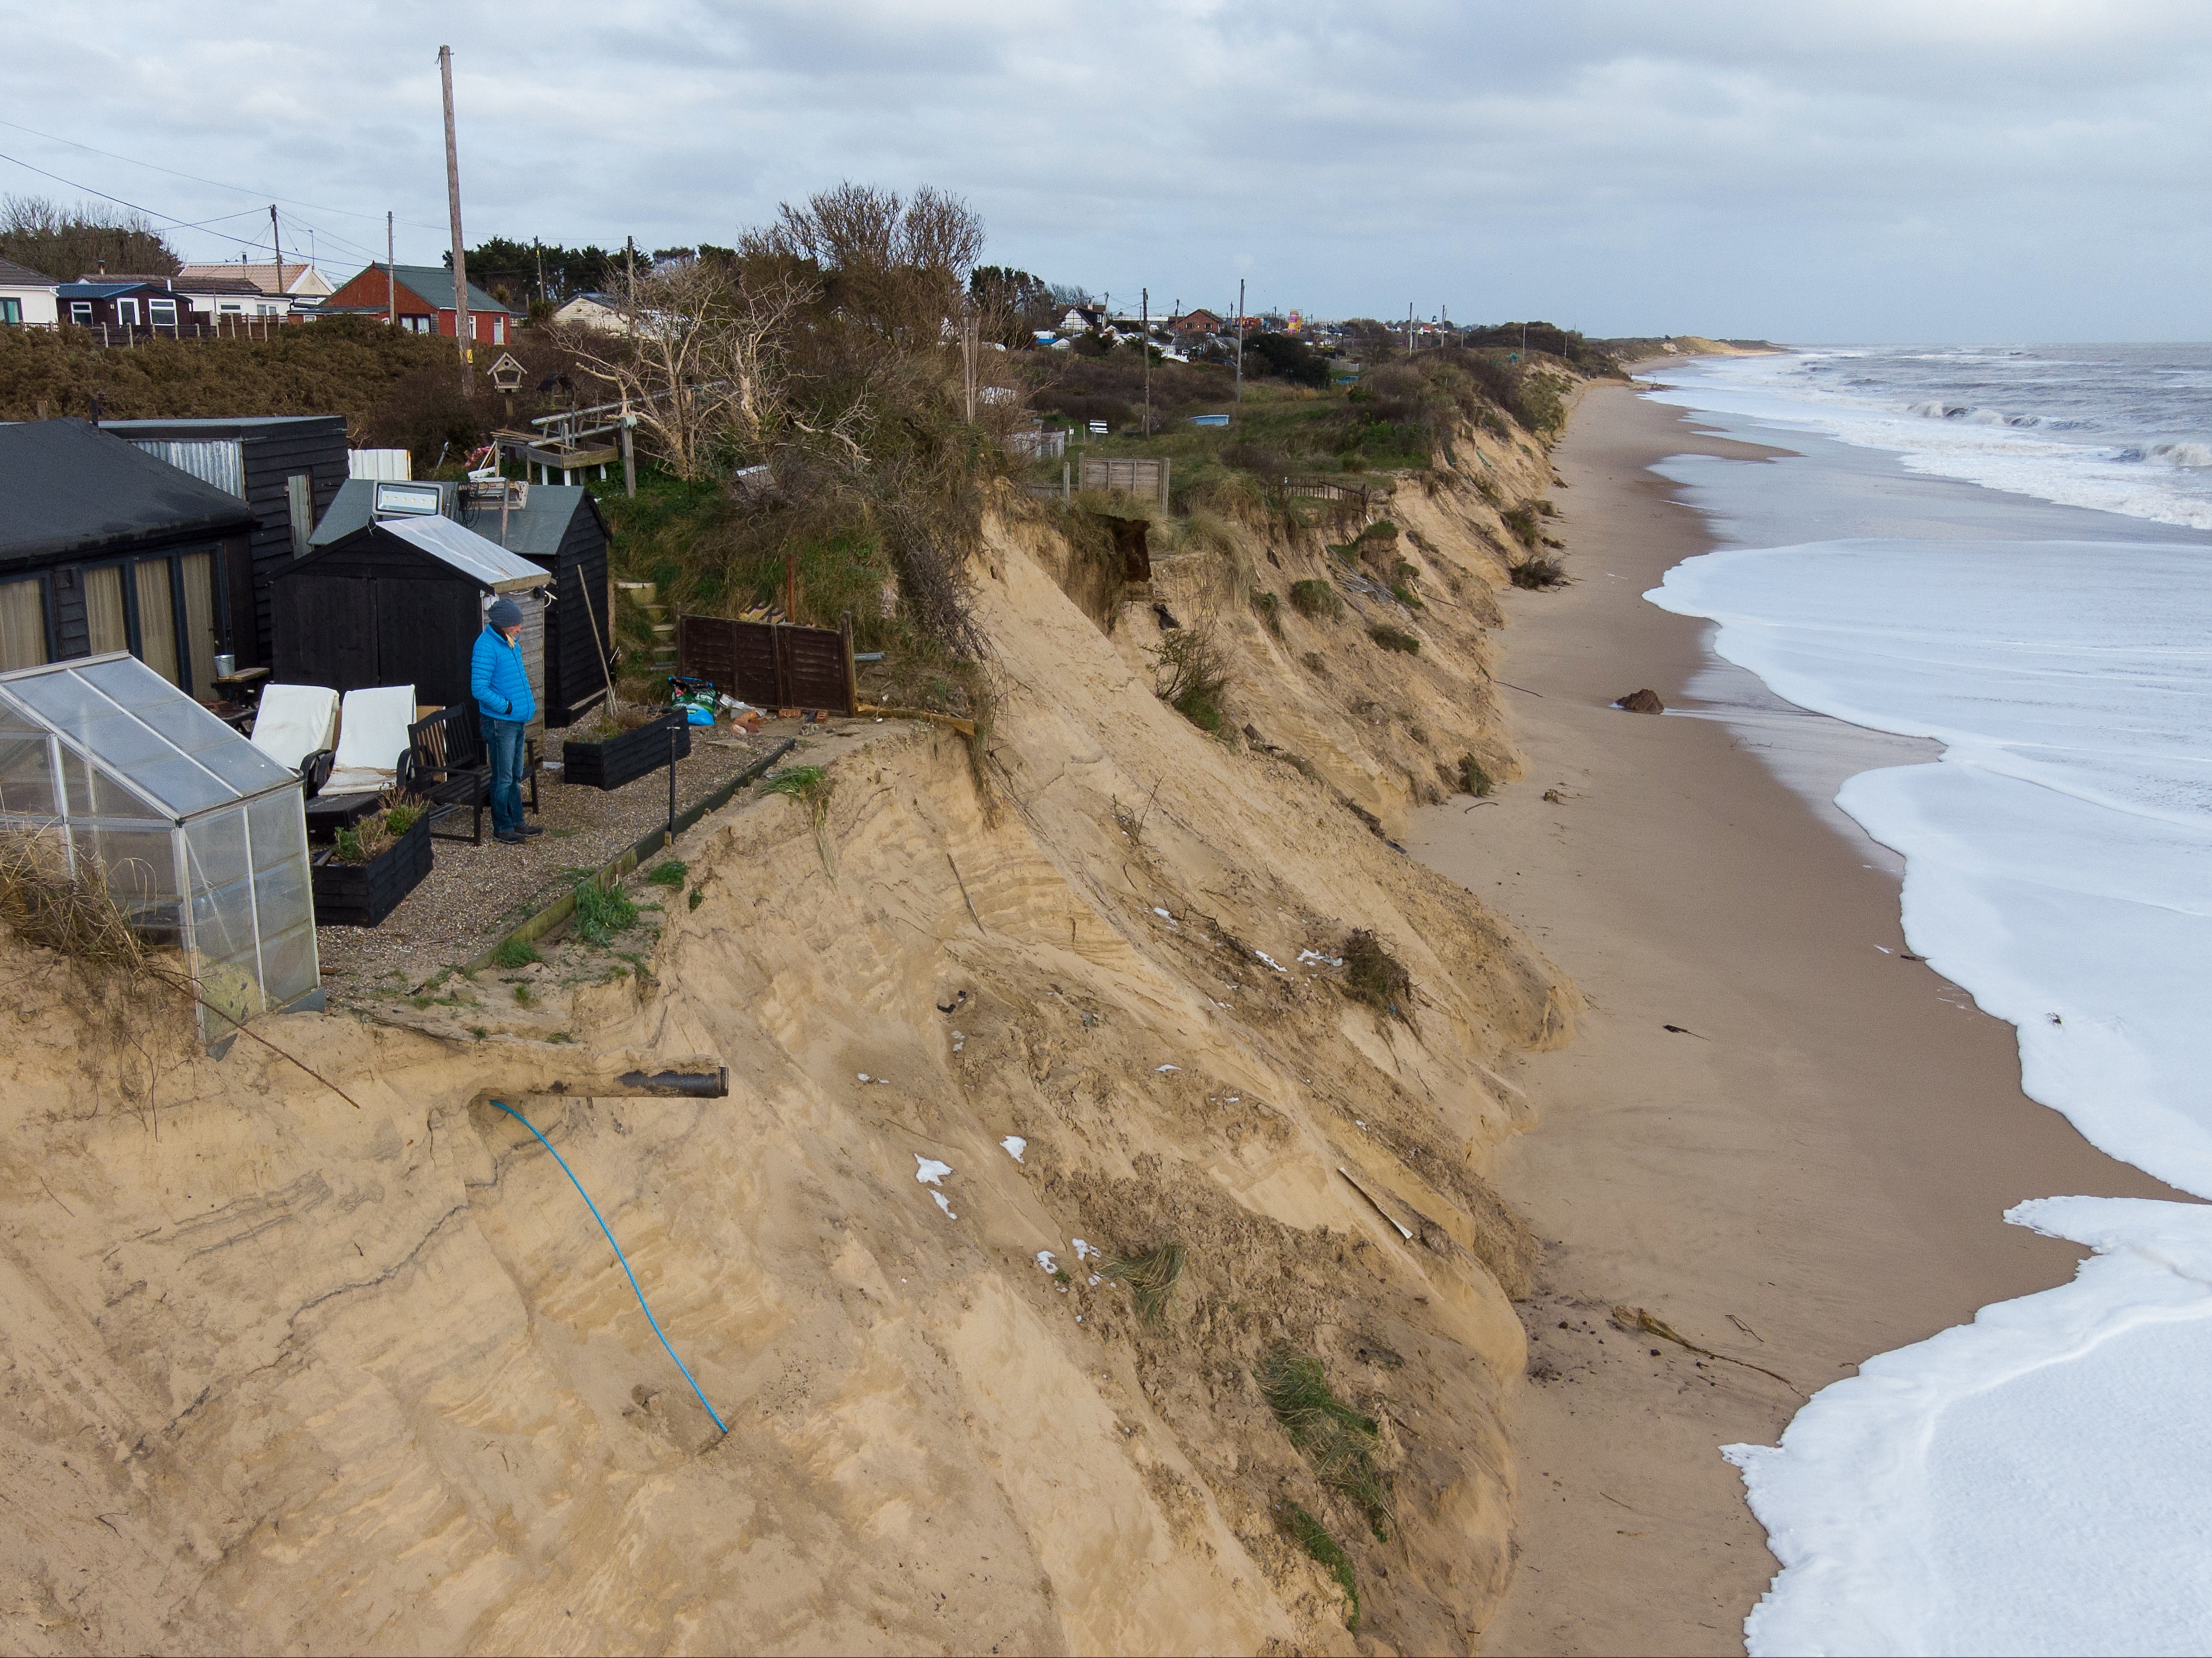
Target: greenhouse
[[105, 768]]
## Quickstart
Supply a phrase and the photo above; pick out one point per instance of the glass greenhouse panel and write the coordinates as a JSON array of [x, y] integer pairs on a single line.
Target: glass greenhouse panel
[[200, 837]]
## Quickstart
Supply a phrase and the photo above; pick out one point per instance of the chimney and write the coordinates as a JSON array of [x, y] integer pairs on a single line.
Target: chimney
[[103, 267]]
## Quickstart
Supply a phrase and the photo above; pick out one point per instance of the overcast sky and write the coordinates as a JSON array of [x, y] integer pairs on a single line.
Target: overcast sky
[[1876, 170]]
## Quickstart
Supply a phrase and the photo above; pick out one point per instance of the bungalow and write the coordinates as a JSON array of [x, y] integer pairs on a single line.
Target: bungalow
[[104, 548], [1201, 321], [290, 281], [26, 297], [423, 296], [137, 303], [602, 312]]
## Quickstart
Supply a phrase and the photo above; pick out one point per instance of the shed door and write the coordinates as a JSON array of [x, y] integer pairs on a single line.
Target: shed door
[[325, 630], [425, 631]]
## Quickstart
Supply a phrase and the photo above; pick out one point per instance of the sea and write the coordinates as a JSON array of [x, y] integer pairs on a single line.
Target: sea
[[2005, 553]]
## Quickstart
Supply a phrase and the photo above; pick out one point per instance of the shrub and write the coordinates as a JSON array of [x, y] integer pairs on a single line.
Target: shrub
[[1372, 975], [1540, 574], [1473, 779], [1392, 639], [670, 872], [49, 904], [1269, 608], [1316, 598], [1190, 675], [1523, 522], [514, 952]]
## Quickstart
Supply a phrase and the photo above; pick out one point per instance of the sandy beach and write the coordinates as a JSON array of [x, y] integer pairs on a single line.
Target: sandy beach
[[1785, 1139]]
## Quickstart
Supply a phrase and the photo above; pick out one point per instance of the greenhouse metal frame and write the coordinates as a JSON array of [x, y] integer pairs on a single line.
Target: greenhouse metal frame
[[201, 838]]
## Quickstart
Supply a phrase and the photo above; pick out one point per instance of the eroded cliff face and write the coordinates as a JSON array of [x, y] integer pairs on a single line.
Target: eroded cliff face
[[283, 1373]]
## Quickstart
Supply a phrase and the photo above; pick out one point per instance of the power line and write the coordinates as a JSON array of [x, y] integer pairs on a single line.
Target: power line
[[261, 195]]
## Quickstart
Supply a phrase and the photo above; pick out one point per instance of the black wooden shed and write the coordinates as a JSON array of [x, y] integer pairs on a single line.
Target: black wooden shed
[[288, 468], [556, 527], [400, 602], [104, 548]]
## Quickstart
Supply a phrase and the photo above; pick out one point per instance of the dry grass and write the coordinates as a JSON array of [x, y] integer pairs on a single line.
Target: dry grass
[[1540, 574], [1375, 976], [1151, 1277], [74, 916]]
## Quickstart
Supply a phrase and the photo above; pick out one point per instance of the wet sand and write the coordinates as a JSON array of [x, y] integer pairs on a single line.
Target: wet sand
[[1812, 1169]]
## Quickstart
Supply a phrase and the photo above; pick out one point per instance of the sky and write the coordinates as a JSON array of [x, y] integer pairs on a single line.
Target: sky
[[1881, 170]]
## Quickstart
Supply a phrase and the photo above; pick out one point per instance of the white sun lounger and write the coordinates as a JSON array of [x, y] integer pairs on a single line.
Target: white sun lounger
[[372, 736], [294, 721]]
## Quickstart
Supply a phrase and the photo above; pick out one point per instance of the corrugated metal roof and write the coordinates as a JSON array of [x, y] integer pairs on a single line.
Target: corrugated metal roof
[[537, 529], [217, 462], [483, 560]]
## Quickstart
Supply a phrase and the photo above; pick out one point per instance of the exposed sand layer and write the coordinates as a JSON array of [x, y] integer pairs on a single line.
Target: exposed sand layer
[[1812, 1169], [283, 1374]]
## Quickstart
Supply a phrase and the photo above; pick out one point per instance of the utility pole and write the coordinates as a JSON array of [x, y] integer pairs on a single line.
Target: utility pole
[[1409, 328], [1145, 331], [461, 318], [391, 278], [540, 248], [1240, 342], [276, 240]]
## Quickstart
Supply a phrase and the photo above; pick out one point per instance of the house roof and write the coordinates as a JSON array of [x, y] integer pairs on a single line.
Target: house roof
[[204, 427], [106, 288], [22, 275], [67, 487], [301, 280], [433, 284], [536, 528]]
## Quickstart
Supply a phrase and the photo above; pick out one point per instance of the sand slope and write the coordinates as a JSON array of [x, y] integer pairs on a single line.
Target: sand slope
[[288, 1374]]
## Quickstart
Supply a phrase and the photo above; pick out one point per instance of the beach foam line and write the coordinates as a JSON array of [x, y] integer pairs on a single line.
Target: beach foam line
[[2038, 1480], [2034, 1482]]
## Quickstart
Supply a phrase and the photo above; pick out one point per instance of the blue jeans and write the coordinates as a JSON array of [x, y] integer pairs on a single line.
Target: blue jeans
[[504, 738]]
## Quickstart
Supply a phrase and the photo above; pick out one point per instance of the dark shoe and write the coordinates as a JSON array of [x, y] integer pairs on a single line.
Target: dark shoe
[[531, 828], [514, 840]]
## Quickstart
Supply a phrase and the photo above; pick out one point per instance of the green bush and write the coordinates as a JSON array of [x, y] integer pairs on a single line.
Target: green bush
[[670, 872], [1313, 1537], [1473, 779], [1269, 609], [1392, 639], [514, 952], [1339, 1440], [1375, 976], [1316, 598]]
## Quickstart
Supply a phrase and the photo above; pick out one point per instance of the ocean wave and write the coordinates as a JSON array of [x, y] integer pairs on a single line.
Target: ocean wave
[[1971, 414], [2179, 455]]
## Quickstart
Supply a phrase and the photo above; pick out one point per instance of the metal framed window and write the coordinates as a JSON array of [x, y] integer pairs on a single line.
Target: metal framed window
[[81, 312], [11, 312]]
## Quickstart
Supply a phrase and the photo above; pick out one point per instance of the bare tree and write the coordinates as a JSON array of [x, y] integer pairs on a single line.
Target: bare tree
[[701, 359], [897, 265]]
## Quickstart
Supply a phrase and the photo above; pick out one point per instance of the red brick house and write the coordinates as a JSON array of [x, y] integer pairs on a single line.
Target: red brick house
[[424, 293]]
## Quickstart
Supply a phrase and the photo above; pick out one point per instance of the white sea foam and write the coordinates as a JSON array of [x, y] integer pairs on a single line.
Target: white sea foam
[[2037, 1481]]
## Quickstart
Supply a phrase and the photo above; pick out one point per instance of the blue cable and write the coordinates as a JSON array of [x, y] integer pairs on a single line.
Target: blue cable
[[596, 1216]]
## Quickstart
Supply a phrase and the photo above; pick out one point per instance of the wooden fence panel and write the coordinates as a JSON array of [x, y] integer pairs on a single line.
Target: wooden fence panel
[[769, 664]]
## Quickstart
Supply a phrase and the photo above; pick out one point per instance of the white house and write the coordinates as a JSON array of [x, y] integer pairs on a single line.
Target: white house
[[601, 311], [26, 297], [301, 282]]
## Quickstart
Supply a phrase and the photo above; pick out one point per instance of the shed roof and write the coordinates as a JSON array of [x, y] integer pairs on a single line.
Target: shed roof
[[154, 748], [536, 528], [67, 487], [245, 426], [461, 550]]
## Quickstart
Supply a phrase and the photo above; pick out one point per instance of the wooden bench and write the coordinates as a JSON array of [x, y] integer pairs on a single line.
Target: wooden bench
[[447, 765]]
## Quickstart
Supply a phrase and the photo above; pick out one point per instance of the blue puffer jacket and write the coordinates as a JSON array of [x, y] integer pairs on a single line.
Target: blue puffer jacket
[[497, 679]]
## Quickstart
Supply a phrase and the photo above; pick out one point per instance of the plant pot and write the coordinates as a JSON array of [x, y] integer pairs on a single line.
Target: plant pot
[[361, 895], [624, 758]]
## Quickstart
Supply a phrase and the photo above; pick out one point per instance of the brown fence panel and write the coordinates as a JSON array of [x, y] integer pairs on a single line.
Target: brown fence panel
[[769, 664]]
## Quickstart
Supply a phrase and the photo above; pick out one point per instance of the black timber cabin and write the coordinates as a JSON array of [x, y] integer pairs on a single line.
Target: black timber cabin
[[104, 548], [400, 602], [556, 527], [288, 468]]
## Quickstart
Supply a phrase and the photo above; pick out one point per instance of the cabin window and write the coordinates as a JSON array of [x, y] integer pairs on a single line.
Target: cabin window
[[22, 625], [81, 312], [499, 330], [162, 314], [132, 606], [299, 500], [265, 310], [11, 312], [126, 313]]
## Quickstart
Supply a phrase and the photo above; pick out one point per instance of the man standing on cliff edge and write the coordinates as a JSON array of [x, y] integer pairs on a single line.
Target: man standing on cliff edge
[[504, 707]]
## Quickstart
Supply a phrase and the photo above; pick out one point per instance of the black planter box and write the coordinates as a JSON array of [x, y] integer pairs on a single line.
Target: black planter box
[[626, 757], [361, 895]]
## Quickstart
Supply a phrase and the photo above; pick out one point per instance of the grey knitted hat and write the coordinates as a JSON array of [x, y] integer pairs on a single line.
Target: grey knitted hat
[[505, 614]]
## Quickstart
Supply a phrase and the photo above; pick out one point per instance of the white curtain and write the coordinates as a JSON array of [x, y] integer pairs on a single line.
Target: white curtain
[[22, 626], [103, 609], [199, 621], [157, 619]]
